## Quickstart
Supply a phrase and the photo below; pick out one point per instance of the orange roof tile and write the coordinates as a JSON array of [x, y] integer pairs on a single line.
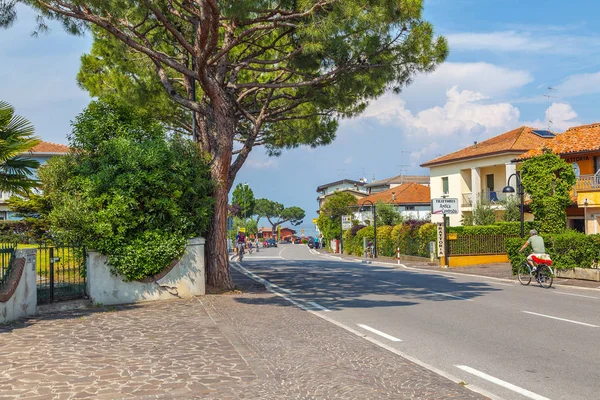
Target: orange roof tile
[[517, 140], [406, 193], [48, 147], [578, 139]]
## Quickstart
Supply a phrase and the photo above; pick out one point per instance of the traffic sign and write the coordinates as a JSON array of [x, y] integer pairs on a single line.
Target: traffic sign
[[444, 206], [242, 230], [346, 222], [315, 220]]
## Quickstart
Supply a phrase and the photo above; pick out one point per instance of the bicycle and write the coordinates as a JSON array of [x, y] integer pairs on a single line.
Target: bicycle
[[369, 252], [543, 273], [240, 251]]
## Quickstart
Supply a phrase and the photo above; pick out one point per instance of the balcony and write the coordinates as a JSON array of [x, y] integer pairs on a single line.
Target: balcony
[[493, 198], [587, 182]]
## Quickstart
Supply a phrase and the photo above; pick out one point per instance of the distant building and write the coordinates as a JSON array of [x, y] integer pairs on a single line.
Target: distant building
[[389, 183], [40, 152], [356, 188], [411, 200], [266, 233]]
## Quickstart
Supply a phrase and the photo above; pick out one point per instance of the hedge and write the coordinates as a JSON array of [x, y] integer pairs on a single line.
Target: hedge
[[567, 250], [499, 228], [412, 237]]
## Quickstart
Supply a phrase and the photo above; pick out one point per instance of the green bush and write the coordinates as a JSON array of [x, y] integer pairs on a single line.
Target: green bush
[[385, 244], [427, 233], [366, 232], [567, 250], [499, 228], [127, 191]]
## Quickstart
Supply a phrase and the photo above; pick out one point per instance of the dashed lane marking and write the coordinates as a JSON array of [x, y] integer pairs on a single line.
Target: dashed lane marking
[[320, 307], [562, 319], [377, 332], [578, 295], [500, 382]]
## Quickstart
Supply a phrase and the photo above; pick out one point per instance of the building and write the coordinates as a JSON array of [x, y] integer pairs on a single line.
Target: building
[[412, 200], [40, 152], [479, 172], [580, 147], [356, 188], [285, 233], [389, 183]]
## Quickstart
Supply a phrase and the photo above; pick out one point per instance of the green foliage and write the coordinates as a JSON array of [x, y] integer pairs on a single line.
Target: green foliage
[[567, 250], [499, 228], [243, 196], [250, 225], [387, 214], [277, 214], [385, 244], [466, 219], [329, 221], [34, 210], [16, 137], [8, 13], [483, 213], [427, 233], [512, 209], [127, 191], [549, 179]]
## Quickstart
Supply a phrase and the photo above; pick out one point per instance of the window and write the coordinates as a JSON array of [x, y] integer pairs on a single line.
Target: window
[[409, 208], [445, 185], [576, 169], [490, 182]]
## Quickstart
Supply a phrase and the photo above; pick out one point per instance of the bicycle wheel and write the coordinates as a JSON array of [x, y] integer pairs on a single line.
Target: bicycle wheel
[[524, 273], [545, 276]]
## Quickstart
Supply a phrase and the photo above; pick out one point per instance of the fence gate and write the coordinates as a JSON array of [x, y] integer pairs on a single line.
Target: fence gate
[[61, 273]]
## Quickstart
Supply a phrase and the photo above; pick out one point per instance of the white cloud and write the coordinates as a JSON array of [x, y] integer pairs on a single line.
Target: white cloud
[[580, 84], [522, 41], [348, 160], [261, 164], [463, 112], [562, 116]]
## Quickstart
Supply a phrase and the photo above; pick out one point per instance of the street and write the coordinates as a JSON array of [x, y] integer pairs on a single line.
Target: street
[[511, 341]]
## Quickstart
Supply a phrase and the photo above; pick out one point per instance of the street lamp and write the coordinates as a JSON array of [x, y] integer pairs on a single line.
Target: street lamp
[[374, 224], [521, 193]]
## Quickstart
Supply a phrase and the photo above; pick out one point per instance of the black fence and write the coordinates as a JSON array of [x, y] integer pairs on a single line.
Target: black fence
[[61, 272], [7, 253]]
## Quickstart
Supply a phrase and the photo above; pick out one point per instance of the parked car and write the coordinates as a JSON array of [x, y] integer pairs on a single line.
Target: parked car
[[272, 242], [297, 241]]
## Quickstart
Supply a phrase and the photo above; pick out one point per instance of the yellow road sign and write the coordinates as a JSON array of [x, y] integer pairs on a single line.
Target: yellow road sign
[[315, 221], [242, 230]]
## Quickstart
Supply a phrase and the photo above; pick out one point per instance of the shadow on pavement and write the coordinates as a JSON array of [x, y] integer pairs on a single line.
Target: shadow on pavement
[[338, 285]]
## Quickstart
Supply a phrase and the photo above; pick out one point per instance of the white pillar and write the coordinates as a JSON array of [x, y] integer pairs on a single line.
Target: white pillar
[[475, 185], [511, 168]]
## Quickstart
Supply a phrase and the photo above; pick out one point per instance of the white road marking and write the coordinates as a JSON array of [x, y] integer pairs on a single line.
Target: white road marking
[[264, 258], [449, 295], [281, 251], [578, 295], [391, 283], [320, 307], [562, 319], [504, 384], [382, 334], [376, 342]]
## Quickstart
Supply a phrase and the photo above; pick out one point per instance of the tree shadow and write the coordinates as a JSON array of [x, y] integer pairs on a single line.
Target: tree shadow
[[338, 285], [26, 322]]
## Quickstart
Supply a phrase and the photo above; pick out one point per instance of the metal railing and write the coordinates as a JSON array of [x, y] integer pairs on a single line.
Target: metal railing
[[495, 197], [467, 200], [7, 253], [466, 245]]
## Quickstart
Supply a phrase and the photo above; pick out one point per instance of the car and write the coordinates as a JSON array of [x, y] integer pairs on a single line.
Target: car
[[272, 242], [297, 241], [311, 244]]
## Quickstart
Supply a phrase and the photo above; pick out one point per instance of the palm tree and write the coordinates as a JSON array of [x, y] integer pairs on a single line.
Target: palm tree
[[16, 138], [8, 14]]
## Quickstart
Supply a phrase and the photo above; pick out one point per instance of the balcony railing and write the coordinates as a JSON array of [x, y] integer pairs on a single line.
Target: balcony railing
[[587, 182], [486, 196]]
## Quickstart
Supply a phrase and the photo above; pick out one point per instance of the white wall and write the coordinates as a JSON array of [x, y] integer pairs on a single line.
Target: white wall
[[186, 279], [24, 299]]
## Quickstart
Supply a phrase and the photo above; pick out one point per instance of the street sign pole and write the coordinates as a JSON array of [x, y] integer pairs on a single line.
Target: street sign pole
[[342, 237], [446, 243]]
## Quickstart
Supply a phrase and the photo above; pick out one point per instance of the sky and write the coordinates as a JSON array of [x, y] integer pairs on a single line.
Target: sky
[[504, 55]]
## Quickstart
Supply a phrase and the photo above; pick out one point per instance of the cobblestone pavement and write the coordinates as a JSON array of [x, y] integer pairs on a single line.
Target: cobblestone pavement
[[239, 346]]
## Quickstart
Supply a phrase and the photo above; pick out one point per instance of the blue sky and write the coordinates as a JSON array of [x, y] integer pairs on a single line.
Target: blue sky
[[504, 54]]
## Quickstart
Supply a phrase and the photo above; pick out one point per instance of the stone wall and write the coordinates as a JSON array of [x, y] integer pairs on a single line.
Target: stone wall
[[185, 279], [18, 298]]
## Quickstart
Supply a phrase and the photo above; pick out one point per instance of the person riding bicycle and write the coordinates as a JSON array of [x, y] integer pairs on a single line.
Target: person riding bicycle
[[241, 242], [537, 246]]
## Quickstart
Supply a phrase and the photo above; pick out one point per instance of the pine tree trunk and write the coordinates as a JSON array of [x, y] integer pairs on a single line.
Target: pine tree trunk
[[218, 274]]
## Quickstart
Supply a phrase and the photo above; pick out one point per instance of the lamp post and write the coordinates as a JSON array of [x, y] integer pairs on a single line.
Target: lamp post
[[521, 193], [374, 225]]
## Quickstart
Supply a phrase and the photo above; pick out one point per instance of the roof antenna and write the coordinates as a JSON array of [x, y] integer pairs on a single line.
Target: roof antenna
[[549, 96]]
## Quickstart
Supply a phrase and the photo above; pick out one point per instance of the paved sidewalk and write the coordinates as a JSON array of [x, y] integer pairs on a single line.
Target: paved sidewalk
[[253, 345], [497, 270]]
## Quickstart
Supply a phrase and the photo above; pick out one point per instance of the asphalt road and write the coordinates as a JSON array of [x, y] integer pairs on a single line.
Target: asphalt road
[[511, 341]]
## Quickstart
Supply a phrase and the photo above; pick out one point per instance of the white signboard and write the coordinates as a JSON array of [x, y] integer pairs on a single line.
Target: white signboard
[[444, 206], [346, 222]]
